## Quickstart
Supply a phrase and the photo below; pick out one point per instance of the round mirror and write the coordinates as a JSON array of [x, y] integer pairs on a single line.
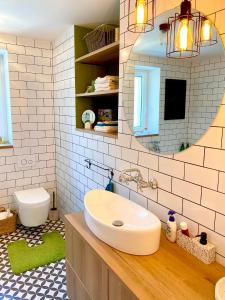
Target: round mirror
[[169, 103]]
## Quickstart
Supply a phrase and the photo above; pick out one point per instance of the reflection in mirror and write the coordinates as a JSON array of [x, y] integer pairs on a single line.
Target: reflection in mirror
[[146, 100], [170, 103]]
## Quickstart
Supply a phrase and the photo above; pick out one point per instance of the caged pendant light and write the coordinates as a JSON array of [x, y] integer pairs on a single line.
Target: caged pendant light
[[183, 36], [208, 37], [141, 15]]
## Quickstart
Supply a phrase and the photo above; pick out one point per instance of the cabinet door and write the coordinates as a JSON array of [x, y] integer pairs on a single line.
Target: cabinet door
[[90, 269], [118, 290], [75, 288]]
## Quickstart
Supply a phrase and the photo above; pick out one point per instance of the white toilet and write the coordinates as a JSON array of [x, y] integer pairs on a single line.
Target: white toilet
[[33, 206]]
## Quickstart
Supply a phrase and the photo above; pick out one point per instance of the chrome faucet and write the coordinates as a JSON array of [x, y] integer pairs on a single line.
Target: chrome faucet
[[126, 176]]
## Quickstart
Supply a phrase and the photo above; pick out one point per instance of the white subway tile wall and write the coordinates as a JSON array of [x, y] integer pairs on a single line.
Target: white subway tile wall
[[31, 162], [44, 131], [191, 182]]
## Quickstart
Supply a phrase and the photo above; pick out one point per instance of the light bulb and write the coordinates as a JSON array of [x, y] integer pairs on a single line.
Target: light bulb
[[141, 12], [206, 31], [184, 38]]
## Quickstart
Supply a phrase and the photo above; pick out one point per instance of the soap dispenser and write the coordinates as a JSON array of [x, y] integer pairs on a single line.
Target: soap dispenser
[[171, 229]]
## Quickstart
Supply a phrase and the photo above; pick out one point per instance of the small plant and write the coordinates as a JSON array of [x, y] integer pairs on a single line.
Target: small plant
[[2, 140]]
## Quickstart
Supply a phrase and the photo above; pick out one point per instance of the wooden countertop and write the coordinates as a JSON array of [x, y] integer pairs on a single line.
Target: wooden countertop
[[171, 273]]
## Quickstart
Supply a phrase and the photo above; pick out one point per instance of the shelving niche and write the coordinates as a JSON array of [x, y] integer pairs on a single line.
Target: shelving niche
[[89, 66]]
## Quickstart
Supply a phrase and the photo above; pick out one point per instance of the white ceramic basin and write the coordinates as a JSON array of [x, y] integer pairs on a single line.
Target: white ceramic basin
[[140, 232], [220, 289]]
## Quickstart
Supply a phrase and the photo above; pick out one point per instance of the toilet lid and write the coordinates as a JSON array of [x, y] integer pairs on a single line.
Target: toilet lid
[[32, 196]]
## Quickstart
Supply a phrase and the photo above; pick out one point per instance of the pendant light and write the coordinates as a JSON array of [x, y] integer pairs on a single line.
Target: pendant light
[[184, 33], [207, 35], [141, 15]]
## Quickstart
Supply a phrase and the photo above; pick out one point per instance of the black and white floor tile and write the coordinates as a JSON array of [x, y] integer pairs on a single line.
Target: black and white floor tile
[[48, 282]]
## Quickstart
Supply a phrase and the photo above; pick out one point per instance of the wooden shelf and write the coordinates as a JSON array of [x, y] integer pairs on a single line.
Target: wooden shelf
[[101, 56], [89, 66], [104, 134], [98, 94]]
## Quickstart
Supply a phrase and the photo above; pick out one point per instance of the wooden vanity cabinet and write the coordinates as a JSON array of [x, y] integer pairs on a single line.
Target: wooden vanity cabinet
[[118, 290], [75, 287], [96, 271], [88, 277]]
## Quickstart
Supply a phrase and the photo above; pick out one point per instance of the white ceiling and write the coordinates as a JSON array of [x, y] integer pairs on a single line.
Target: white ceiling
[[46, 19]]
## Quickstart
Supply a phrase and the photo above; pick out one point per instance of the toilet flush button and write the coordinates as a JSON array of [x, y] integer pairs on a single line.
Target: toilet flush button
[[26, 162]]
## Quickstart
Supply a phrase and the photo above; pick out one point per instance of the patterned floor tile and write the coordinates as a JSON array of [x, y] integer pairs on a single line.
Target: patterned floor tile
[[48, 282]]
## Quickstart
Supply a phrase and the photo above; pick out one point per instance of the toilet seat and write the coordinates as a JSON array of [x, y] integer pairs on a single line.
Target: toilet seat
[[32, 197]]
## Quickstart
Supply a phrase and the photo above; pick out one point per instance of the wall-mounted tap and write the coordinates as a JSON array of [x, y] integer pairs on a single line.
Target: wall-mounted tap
[[126, 176]]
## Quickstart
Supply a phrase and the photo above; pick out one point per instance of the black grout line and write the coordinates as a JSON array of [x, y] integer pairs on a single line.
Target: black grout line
[[218, 183], [129, 190], [172, 177], [215, 222], [201, 188], [177, 196], [204, 156], [170, 192], [222, 137], [159, 156]]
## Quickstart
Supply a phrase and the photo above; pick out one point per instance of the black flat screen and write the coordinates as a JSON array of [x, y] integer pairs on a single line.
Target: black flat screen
[[175, 99]]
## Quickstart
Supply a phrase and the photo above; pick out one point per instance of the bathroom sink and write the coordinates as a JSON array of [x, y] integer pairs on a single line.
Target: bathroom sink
[[122, 223], [220, 289]]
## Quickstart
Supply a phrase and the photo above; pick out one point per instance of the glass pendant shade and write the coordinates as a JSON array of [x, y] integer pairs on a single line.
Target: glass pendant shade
[[141, 15], [184, 38], [184, 31], [141, 12], [206, 31], [207, 36]]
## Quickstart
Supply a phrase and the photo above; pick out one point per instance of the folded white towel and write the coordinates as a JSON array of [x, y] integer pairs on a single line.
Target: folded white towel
[[102, 88], [5, 215], [105, 89], [107, 122], [106, 129], [107, 79], [106, 84]]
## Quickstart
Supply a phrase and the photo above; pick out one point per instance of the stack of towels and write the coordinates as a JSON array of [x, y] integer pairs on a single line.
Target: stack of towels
[[107, 83], [5, 214], [107, 126]]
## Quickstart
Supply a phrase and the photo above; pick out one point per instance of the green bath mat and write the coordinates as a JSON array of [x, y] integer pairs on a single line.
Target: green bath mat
[[24, 258]]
